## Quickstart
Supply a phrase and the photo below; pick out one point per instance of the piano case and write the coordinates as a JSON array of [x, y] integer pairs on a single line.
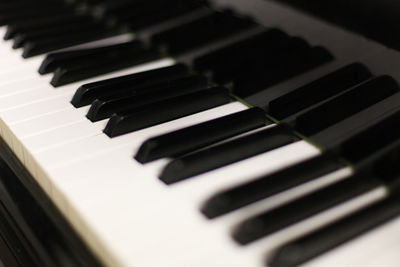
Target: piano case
[[32, 231]]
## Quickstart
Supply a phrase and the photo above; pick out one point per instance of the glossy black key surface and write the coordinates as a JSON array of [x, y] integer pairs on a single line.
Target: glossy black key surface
[[32, 13], [81, 56], [201, 135], [164, 111], [289, 65], [154, 13], [87, 93], [331, 236], [108, 62], [255, 44], [106, 106], [346, 105], [202, 31], [53, 32], [261, 57], [43, 23], [226, 153], [55, 43], [318, 90], [269, 185], [371, 140], [274, 220]]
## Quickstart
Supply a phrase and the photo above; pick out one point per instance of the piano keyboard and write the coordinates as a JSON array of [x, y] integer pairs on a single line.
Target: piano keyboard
[[246, 134]]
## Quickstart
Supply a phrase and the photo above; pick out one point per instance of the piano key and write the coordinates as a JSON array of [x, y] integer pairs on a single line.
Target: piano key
[[170, 109], [57, 60], [72, 73], [319, 90], [312, 245], [149, 16], [261, 188], [87, 93], [73, 39], [261, 41], [200, 135], [20, 39], [268, 222], [132, 98], [31, 13], [347, 104], [226, 153], [269, 56], [252, 82], [188, 36], [101, 143], [44, 22]]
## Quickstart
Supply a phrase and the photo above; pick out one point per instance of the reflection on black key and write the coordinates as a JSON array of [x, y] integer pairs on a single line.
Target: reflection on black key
[[319, 90], [100, 65], [226, 153], [157, 12], [153, 114], [106, 106], [81, 56], [205, 30], [290, 66], [267, 223], [269, 185], [200, 135], [87, 93], [52, 32], [46, 45], [320, 241], [346, 105]]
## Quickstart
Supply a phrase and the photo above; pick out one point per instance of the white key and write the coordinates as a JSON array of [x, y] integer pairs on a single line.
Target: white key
[[77, 182]]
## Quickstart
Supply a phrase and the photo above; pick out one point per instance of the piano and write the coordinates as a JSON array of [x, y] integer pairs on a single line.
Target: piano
[[199, 133]]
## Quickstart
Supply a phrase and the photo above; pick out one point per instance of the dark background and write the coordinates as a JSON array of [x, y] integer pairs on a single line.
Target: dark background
[[375, 19]]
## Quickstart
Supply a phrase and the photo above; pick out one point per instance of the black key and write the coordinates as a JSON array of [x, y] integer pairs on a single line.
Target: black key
[[153, 14], [269, 185], [269, 222], [319, 90], [262, 57], [226, 153], [327, 238], [371, 140], [102, 65], [46, 45], [201, 135], [43, 23], [153, 114], [32, 13], [106, 106], [87, 93], [53, 32], [81, 56], [202, 31], [290, 66], [259, 42], [346, 105]]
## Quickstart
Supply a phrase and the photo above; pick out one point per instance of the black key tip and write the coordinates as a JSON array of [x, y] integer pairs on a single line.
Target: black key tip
[[287, 256], [112, 128], [173, 172], [248, 231], [144, 154], [216, 206]]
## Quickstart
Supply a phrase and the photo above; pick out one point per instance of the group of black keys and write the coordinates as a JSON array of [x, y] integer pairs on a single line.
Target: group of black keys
[[350, 113]]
